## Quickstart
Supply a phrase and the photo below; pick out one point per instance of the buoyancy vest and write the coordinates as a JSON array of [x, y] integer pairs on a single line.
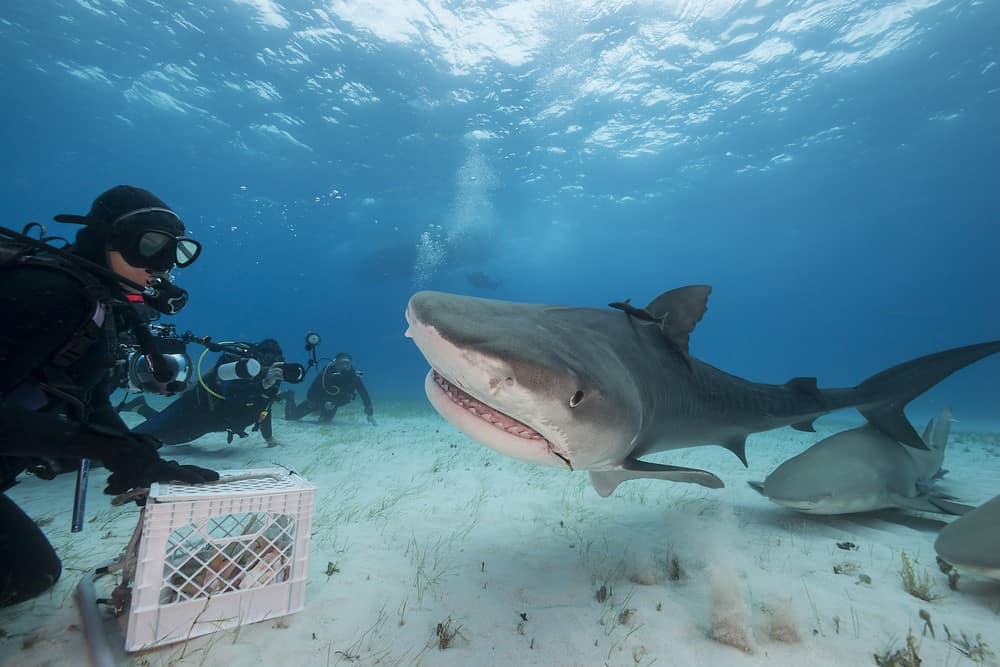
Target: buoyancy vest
[[36, 393]]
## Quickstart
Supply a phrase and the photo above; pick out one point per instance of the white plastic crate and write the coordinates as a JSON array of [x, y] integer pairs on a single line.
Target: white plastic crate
[[215, 557]]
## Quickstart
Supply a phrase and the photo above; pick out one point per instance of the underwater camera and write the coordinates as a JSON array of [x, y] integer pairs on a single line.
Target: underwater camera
[[239, 362], [177, 366], [176, 371], [293, 373]]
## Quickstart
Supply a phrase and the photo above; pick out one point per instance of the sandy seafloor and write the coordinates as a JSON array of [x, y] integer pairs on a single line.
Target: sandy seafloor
[[425, 525]]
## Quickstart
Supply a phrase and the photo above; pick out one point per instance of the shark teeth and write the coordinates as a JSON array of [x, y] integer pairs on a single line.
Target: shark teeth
[[485, 412]]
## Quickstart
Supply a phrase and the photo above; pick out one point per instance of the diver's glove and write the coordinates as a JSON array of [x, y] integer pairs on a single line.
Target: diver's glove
[[274, 375], [371, 420], [135, 464]]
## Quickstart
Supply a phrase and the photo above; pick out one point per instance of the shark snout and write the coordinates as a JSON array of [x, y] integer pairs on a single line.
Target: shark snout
[[472, 382]]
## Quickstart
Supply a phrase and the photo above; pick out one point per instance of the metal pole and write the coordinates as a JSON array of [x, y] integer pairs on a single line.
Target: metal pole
[[80, 499], [101, 653]]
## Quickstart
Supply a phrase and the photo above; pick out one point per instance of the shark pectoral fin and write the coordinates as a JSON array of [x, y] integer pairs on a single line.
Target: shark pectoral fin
[[949, 506], [936, 504], [679, 311], [757, 486], [738, 445], [606, 481], [890, 420]]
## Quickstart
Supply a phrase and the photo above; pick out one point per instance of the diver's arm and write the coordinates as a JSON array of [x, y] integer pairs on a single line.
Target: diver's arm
[[102, 412], [363, 392], [132, 459], [27, 433]]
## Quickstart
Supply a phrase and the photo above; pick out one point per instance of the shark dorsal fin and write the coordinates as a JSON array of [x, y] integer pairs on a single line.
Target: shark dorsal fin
[[803, 385], [938, 438], [926, 437], [680, 309]]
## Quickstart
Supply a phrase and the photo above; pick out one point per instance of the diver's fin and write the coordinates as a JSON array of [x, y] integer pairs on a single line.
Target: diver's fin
[[606, 481], [679, 311]]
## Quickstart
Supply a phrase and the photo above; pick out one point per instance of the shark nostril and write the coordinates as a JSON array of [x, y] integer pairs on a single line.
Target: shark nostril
[[576, 399]]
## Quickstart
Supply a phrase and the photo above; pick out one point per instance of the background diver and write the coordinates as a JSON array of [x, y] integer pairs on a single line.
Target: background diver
[[334, 387], [222, 402]]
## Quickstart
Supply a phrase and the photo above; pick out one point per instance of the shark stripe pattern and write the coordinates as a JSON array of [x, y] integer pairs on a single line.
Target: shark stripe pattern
[[597, 389]]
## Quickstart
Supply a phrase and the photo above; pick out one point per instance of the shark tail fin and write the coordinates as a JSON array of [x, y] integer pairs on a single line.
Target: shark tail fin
[[887, 393]]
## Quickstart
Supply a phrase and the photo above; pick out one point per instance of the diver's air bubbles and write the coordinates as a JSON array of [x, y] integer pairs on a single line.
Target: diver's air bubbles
[[431, 252]]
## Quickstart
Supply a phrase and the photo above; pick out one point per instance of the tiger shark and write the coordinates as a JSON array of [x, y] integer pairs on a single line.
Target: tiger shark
[[972, 542], [595, 389], [862, 469]]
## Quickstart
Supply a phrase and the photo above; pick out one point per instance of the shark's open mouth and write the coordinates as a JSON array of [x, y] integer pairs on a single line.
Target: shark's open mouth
[[485, 412]]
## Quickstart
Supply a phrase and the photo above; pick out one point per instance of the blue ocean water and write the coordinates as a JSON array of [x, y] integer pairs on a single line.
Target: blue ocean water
[[829, 167]]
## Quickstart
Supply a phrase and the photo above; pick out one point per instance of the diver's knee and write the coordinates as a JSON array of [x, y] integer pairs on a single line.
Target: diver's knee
[[31, 580]]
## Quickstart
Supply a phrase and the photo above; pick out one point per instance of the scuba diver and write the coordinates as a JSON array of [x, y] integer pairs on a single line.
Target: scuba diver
[[334, 387], [62, 310], [225, 399]]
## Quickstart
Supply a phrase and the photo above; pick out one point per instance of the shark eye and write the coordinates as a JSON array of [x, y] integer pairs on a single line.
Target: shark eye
[[576, 399]]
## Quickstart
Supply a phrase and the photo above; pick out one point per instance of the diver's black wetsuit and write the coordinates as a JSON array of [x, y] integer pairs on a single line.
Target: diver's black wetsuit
[[60, 312], [329, 391], [234, 406], [42, 310]]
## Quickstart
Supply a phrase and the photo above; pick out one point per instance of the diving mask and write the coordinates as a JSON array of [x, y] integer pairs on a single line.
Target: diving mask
[[153, 241]]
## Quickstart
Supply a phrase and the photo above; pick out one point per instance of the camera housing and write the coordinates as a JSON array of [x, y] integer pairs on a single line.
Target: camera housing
[[140, 375], [177, 371]]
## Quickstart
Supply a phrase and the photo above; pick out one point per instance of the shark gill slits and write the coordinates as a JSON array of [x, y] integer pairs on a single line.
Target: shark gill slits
[[576, 399], [565, 460]]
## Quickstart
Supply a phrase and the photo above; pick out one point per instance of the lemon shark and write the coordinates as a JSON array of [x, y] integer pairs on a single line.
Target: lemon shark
[[862, 469], [972, 542], [597, 389]]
